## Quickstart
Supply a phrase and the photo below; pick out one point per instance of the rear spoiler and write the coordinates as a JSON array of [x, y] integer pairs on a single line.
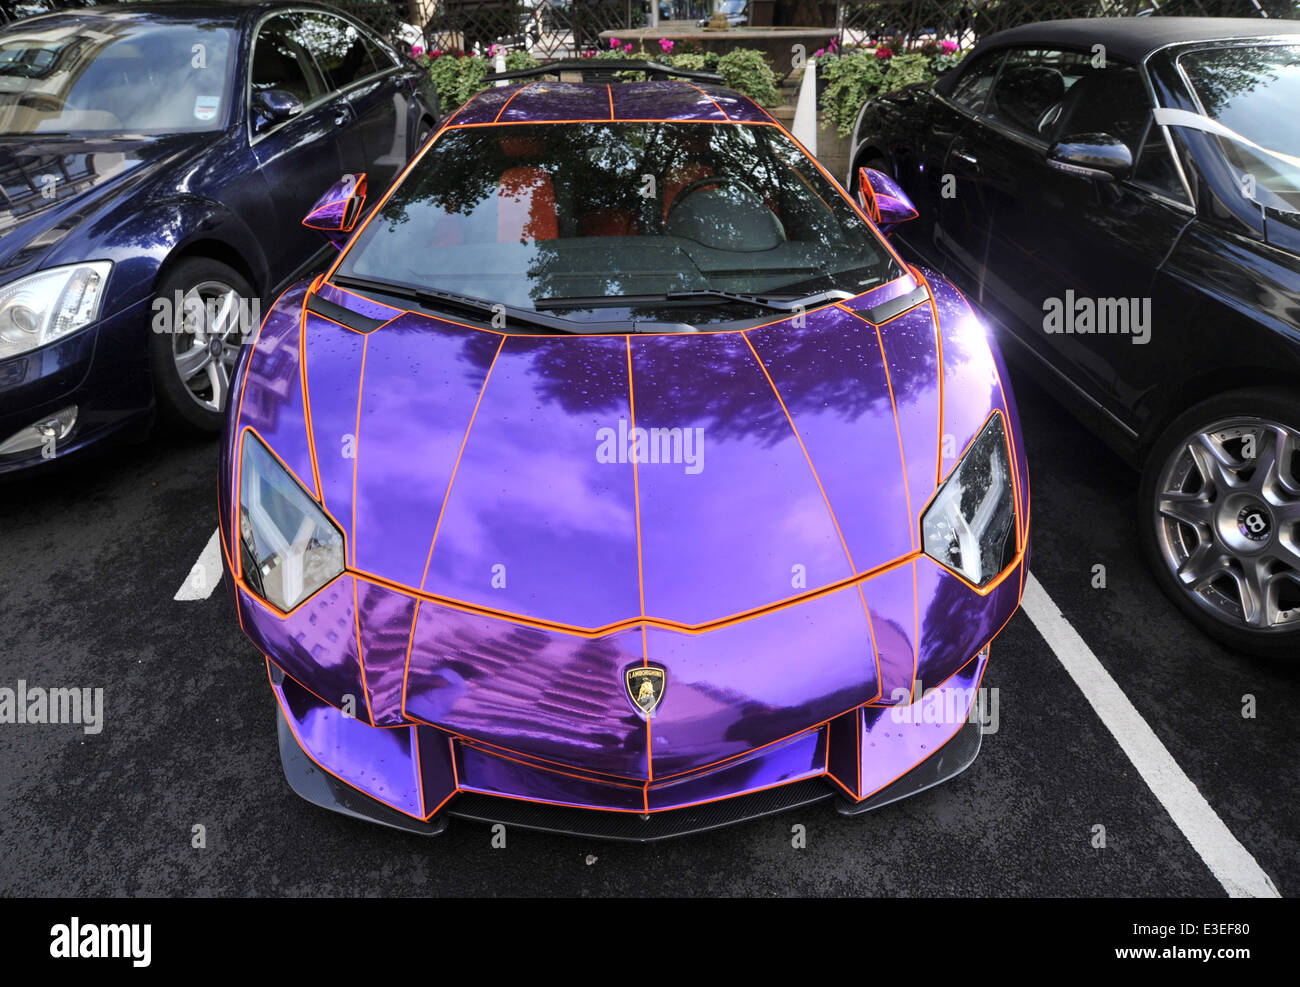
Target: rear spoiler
[[602, 70]]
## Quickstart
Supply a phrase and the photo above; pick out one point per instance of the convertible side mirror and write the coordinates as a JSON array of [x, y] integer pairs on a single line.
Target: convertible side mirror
[[882, 199], [1100, 157], [272, 106], [336, 212]]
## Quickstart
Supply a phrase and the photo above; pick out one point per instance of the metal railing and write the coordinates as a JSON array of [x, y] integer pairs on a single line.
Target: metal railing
[[564, 28], [966, 21]]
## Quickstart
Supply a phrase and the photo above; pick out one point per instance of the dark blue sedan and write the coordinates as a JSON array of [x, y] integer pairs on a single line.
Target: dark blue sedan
[[155, 163]]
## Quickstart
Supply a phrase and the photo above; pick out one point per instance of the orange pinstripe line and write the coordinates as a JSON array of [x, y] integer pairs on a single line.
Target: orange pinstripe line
[[361, 659], [356, 445], [512, 96], [898, 430], [289, 719], [306, 396], [711, 100], [410, 643], [419, 781], [456, 466], [974, 696], [829, 509], [631, 622], [611, 100], [938, 349], [640, 570]]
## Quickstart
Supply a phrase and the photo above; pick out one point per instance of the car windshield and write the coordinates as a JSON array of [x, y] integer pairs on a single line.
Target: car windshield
[[83, 74], [599, 222], [1254, 90]]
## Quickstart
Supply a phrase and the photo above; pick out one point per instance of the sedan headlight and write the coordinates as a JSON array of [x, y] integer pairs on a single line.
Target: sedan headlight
[[290, 549], [48, 305], [968, 527]]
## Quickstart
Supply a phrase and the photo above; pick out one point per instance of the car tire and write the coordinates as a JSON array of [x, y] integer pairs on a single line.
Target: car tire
[[196, 399], [1220, 519]]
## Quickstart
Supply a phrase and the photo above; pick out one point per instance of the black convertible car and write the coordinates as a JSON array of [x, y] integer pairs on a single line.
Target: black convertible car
[[1122, 198]]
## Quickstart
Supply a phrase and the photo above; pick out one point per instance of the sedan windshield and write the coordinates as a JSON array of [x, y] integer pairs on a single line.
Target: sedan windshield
[[663, 222], [86, 74], [1254, 91]]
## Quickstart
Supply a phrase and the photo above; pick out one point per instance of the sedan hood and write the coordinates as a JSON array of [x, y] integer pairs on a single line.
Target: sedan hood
[[587, 481], [51, 185]]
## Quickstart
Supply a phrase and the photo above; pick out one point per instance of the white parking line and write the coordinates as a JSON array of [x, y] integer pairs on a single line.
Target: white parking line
[[1229, 861], [205, 575]]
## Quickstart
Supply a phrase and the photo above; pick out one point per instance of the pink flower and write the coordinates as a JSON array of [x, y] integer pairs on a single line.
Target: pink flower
[[665, 44], [948, 47], [628, 46], [492, 51], [819, 53], [615, 43], [416, 51], [883, 52]]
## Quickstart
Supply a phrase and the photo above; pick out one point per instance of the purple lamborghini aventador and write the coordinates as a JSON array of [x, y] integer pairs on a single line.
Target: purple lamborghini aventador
[[620, 479]]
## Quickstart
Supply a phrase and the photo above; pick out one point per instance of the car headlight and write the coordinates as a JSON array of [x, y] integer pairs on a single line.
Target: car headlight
[[50, 304], [290, 549], [968, 527]]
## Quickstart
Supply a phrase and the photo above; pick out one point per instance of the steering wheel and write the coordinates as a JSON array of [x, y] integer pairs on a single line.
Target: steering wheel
[[44, 102], [690, 188]]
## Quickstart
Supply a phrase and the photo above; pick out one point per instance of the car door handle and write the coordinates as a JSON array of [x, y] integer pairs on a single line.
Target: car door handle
[[343, 116]]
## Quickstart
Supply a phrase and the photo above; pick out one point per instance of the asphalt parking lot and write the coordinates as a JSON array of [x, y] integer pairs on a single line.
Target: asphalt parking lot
[[94, 554]]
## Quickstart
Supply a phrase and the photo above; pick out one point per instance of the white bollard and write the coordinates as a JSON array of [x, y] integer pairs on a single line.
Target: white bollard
[[499, 65], [805, 109]]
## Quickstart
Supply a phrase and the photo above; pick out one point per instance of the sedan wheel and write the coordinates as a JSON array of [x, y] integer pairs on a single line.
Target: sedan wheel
[[1223, 498], [205, 352], [193, 354]]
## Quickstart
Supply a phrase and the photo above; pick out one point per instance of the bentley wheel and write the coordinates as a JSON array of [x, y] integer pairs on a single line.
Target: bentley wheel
[[1221, 506], [194, 350]]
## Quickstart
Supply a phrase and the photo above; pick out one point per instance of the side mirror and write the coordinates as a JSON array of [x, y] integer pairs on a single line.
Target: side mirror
[[337, 211], [882, 199], [272, 106], [1097, 156]]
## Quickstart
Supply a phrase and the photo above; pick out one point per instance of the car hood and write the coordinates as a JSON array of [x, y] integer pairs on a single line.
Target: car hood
[[511, 557], [52, 185], [587, 481]]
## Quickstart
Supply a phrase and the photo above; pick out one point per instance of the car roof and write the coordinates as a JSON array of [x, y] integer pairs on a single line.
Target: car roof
[[553, 102], [1132, 39]]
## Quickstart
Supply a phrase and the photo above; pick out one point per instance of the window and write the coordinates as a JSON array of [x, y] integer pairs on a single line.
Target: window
[[552, 216], [1110, 100], [1253, 90], [281, 62], [344, 54], [88, 74], [1029, 96], [972, 89], [1155, 167]]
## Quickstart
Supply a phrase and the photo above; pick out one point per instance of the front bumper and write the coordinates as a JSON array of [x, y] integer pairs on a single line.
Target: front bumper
[[413, 777], [102, 369]]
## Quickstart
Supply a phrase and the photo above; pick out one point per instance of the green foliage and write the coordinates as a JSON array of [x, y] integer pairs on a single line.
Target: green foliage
[[517, 61], [851, 79], [445, 73], [470, 80], [857, 75], [904, 70], [746, 71]]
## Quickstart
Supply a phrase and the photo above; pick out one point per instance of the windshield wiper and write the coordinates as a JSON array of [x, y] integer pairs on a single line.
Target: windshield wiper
[[780, 303], [441, 300]]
